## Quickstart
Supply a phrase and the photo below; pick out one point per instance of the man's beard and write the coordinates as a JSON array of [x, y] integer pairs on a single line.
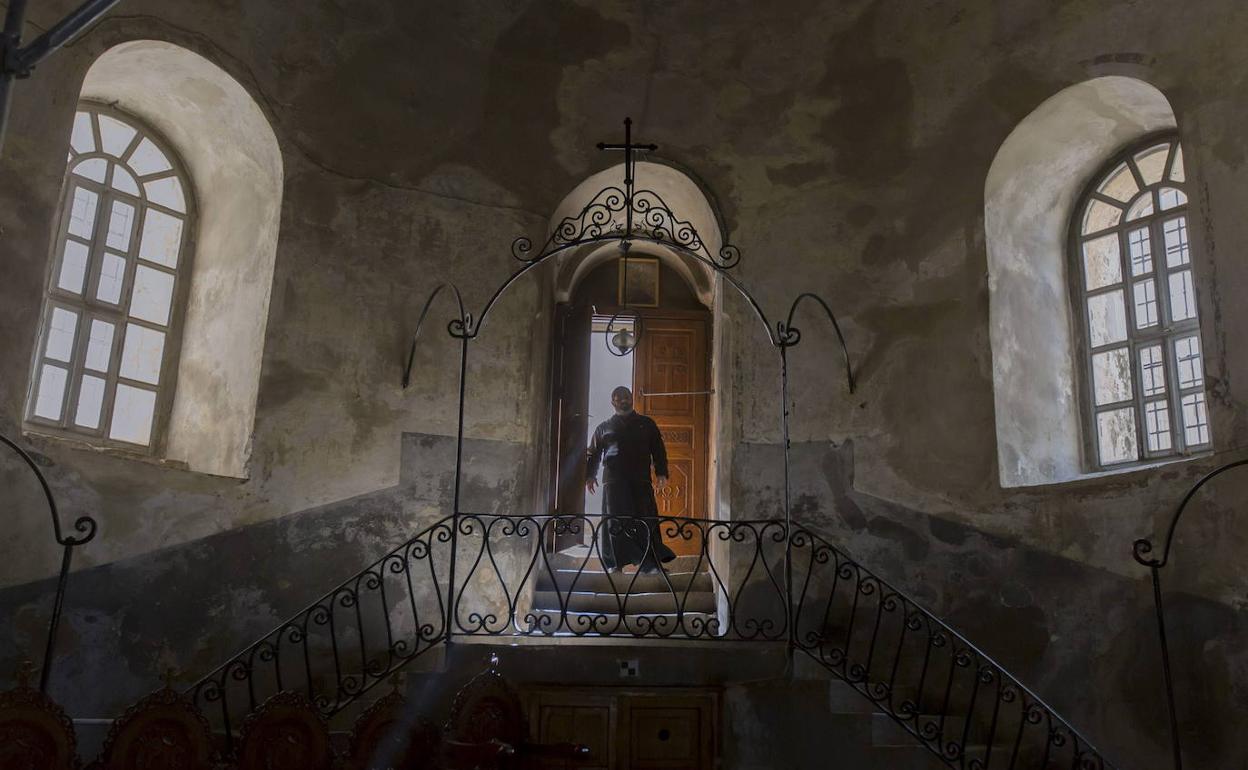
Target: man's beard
[[622, 411]]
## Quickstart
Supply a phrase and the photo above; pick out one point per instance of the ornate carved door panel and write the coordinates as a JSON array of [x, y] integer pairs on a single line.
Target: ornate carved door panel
[[672, 359]]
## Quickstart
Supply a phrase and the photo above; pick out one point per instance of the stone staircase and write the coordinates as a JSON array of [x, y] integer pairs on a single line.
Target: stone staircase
[[594, 597]]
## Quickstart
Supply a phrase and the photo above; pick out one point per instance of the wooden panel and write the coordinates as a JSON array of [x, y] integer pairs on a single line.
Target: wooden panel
[[629, 729], [667, 733], [586, 725], [572, 716], [672, 358]]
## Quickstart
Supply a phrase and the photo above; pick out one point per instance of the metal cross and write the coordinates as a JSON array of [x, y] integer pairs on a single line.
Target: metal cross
[[17, 62], [628, 148]]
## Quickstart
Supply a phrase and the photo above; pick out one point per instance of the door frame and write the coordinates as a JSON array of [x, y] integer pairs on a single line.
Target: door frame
[[561, 363]]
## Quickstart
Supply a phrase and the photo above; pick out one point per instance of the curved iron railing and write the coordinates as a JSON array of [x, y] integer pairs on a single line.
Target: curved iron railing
[[727, 584], [545, 576], [1142, 551], [85, 526], [344, 643], [945, 692]]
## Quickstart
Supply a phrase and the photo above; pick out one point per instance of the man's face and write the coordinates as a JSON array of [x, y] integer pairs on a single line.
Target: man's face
[[622, 400]]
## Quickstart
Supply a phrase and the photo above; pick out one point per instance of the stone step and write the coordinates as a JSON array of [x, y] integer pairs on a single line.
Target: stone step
[[633, 603], [582, 558], [604, 582]]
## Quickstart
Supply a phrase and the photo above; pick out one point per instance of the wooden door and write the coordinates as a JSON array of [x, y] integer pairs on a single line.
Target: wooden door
[[671, 357], [570, 378]]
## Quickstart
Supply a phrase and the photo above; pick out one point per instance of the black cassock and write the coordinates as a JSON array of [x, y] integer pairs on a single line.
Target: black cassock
[[624, 446]]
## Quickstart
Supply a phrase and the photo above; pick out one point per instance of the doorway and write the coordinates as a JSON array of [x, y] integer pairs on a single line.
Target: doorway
[[669, 373]]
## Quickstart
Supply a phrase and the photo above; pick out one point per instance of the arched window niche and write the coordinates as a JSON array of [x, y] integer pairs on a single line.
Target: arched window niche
[[1036, 195], [234, 167]]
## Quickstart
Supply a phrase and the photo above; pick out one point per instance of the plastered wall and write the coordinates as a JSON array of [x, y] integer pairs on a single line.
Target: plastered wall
[[846, 146]]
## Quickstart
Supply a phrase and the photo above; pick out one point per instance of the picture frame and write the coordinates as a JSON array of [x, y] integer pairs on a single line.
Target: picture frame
[[642, 282]]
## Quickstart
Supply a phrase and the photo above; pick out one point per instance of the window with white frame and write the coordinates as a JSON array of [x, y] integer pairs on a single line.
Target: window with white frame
[[1141, 336], [107, 349]]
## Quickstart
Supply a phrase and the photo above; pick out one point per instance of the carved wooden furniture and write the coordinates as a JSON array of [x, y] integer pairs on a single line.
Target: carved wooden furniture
[[388, 737], [285, 733], [163, 731], [486, 729], [34, 731]]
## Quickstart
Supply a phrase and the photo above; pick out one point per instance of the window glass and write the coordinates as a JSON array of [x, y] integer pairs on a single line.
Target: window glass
[[1143, 361], [111, 311]]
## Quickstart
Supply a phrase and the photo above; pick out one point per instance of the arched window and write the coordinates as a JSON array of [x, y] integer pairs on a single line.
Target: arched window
[[113, 310], [1145, 390]]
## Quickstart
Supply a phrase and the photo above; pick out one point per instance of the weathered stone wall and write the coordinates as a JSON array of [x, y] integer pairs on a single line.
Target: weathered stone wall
[[846, 144]]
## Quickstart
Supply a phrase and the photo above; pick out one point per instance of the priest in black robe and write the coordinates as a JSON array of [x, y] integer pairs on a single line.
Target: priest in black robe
[[624, 446]]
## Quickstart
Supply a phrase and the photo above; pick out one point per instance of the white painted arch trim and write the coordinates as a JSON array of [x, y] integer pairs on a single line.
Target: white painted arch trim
[[687, 202]]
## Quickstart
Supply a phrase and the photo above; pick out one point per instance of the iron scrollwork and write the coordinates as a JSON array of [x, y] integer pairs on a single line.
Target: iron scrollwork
[[1142, 550], [84, 526]]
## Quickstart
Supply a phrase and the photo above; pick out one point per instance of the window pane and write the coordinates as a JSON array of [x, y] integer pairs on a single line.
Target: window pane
[[1171, 198], [1145, 304], [1140, 247], [1157, 426], [152, 296], [99, 345], [1182, 296], [1099, 216], [1176, 168], [1141, 208], [122, 180], [166, 192], [162, 235], [1175, 233], [94, 169], [1111, 376], [119, 226], [132, 415], [51, 392], [90, 399], [112, 276], [1187, 358], [147, 160], [141, 354], [114, 135], [1195, 420], [82, 213], [1107, 318], [61, 330], [82, 139], [1152, 163], [1120, 184], [1101, 263], [1152, 370], [1115, 431], [73, 267]]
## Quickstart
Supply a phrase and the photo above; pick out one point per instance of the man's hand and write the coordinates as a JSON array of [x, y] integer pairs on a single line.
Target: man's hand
[[592, 485], [662, 482]]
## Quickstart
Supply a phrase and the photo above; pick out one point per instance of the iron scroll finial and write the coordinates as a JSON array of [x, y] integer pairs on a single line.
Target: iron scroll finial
[[86, 528]]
